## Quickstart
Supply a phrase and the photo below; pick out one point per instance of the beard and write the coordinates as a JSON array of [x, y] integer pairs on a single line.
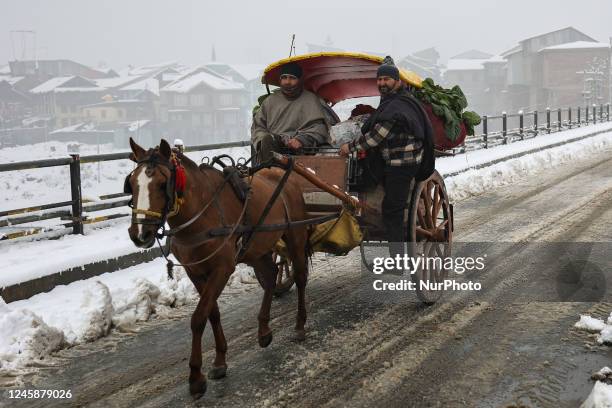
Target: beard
[[384, 90], [292, 92]]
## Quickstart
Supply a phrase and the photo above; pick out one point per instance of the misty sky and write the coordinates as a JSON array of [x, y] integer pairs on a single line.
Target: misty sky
[[138, 32]]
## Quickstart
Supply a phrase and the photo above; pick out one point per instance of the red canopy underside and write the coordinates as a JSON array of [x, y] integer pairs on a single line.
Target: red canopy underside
[[334, 78]]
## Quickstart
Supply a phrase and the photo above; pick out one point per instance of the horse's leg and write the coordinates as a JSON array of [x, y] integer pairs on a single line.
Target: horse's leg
[[219, 365], [296, 244], [266, 271], [208, 297]]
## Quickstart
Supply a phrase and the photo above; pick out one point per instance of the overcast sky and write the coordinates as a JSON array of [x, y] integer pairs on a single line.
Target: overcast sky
[[138, 32]]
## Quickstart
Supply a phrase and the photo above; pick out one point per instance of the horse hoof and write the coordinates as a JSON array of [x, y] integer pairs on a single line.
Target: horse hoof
[[197, 389], [300, 334], [265, 340], [216, 373]]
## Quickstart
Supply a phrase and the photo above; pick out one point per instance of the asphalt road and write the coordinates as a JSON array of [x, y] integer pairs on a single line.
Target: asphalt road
[[510, 343]]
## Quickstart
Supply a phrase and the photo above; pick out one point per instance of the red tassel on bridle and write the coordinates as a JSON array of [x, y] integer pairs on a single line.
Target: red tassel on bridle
[[180, 180]]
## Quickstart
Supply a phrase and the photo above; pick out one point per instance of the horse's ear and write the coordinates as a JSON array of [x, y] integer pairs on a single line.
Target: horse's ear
[[165, 149], [137, 151]]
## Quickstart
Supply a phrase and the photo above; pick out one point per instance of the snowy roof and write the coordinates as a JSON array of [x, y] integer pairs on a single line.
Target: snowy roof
[[465, 64], [115, 82], [79, 89], [187, 83], [577, 45], [134, 126], [249, 71], [79, 127], [51, 84], [472, 55], [11, 79], [148, 84], [494, 60]]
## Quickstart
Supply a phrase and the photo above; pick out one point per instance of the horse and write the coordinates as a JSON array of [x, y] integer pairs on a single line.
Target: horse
[[161, 176]]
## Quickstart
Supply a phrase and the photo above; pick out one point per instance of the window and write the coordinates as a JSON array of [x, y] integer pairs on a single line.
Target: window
[[180, 100], [225, 99], [197, 100]]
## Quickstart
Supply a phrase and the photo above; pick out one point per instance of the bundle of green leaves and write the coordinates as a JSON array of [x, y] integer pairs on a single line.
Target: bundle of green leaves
[[448, 104]]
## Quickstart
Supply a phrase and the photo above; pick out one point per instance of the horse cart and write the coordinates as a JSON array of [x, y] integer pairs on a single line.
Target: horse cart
[[331, 182]]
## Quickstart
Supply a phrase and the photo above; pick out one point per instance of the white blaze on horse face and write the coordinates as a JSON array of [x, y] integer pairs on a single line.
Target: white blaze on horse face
[[143, 202]]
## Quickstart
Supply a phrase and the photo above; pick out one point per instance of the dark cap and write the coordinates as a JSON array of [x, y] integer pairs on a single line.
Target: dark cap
[[388, 68], [291, 69]]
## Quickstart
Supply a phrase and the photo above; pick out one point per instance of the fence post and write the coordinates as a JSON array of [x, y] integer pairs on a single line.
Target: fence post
[[485, 131], [547, 120], [560, 125], [607, 112], [75, 190], [594, 113], [521, 123], [535, 122], [579, 120], [600, 112], [569, 117], [505, 127], [586, 115]]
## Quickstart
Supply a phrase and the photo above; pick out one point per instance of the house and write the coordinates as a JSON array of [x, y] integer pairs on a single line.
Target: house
[[533, 80], [62, 98], [424, 63], [45, 69], [469, 74], [14, 105], [247, 74], [203, 107]]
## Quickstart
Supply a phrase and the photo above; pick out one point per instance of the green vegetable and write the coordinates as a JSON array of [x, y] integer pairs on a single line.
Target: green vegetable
[[448, 104]]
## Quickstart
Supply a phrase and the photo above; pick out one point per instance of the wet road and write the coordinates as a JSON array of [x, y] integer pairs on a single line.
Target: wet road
[[511, 343]]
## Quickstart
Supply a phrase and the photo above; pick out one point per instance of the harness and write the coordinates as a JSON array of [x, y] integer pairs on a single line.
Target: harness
[[175, 187]]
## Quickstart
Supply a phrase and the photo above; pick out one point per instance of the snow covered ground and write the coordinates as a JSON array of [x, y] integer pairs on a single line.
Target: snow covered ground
[[83, 311]]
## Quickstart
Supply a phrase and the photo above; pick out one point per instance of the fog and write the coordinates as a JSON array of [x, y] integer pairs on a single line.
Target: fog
[[119, 32]]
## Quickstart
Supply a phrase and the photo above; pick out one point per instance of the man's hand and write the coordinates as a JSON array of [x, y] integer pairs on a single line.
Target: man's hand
[[294, 144], [344, 150]]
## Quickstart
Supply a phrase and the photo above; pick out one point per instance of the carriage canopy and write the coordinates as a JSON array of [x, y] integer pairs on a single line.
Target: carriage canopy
[[336, 76]]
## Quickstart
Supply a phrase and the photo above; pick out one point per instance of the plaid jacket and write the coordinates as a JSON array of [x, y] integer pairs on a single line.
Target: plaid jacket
[[397, 149]]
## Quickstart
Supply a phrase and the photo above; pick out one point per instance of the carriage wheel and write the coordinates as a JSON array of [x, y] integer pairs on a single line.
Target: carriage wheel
[[284, 278], [430, 232]]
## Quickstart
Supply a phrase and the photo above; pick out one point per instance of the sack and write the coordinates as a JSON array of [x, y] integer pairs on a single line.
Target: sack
[[338, 236]]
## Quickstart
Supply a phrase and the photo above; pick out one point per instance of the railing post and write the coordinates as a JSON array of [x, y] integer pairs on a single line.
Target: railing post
[[521, 123], [608, 113], [578, 119], [569, 117], [75, 190], [594, 113], [485, 130], [547, 120], [600, 112], [505, 127], [586, 115], [535, 122], [560, 125]]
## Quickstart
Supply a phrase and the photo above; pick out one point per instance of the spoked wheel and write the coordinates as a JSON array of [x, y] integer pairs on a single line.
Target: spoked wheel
[[430, 232], [284, 278]]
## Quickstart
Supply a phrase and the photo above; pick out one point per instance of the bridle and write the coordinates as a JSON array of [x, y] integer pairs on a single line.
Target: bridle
[[175, 187]]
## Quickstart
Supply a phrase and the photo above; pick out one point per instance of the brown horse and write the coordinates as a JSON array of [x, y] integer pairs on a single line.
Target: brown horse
[[210, 263]]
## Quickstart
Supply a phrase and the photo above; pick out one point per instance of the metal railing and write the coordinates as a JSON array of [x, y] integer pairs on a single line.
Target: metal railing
[[530, 125], [75, 214]]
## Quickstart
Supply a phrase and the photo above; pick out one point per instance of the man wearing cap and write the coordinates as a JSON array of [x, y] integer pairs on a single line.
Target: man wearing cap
[[290, 117], [400, 132]]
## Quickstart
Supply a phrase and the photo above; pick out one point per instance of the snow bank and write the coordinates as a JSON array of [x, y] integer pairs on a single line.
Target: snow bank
[[84, 311], [593, 325], [24, 337], [477, 181], [600, 397]]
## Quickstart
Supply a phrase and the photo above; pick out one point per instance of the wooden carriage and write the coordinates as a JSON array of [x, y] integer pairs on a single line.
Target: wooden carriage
[[428, 220]]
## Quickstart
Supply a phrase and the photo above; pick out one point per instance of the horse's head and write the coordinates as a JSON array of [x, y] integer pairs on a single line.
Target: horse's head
[[153, 192]]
